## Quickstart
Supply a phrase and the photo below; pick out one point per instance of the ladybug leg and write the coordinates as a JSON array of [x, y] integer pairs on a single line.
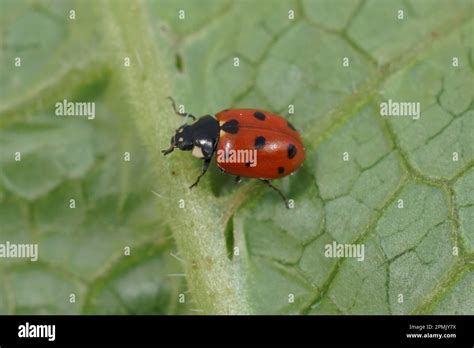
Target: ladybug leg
[[183, 114], [269, 184], [205, 165], [238, 179]]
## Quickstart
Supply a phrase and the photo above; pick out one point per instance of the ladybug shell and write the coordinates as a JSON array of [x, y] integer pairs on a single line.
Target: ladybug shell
[[279, 147]]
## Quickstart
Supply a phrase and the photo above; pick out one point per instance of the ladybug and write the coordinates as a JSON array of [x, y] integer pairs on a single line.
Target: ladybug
[[276, 144]]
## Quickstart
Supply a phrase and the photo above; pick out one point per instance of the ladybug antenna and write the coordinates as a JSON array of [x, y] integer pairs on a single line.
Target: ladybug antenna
[[171, 148], [182, 114], [168, 151]]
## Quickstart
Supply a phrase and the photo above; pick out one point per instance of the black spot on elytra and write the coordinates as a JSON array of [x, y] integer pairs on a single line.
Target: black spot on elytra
[[259, 143], [247, 164], [281, 170], [291, 151], [291, 126], [231, 126], [259, 115]]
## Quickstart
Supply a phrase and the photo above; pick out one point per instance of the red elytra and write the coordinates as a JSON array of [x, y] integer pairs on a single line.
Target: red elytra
[[279, 149]]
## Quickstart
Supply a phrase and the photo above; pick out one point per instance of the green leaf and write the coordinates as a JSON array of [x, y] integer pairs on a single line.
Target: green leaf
[[139, 241]]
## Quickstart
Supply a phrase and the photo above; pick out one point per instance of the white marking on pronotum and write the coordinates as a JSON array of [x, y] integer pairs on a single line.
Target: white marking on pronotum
[[197, 152]]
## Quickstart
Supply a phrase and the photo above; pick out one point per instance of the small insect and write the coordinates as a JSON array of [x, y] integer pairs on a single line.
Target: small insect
[[274, 141]]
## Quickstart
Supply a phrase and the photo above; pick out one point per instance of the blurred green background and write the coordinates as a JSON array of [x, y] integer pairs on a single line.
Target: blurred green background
[[184, 260]]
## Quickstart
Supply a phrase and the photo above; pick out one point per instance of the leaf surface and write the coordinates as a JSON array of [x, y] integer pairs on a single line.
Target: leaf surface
[[400, 193]]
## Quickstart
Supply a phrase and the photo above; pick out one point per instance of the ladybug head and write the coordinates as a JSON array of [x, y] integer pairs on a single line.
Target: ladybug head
[[182, 140], [201, 137]]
